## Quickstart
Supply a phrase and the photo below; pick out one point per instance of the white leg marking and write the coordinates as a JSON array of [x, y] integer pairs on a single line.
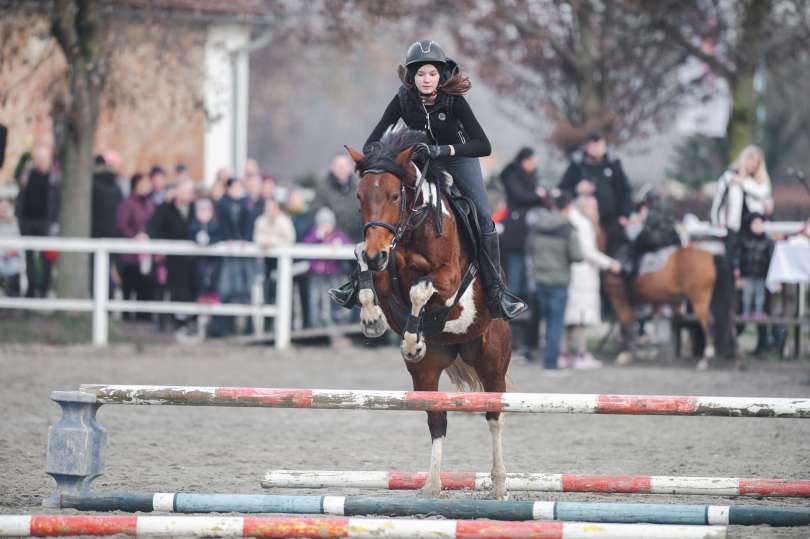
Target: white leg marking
[[433, 483], [708, 353], [498, 472], [467, 315], [371, 316], [413, 349]]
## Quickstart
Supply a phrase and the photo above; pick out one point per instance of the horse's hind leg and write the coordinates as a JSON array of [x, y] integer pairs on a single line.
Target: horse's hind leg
[[490, 357], [701, 308], [425, 376]]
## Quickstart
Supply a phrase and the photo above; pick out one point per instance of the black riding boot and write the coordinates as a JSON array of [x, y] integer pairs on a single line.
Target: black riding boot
[[501, 302], [346, 294]]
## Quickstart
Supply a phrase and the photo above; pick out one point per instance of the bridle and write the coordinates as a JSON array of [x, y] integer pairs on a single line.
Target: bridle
[[407, 212]]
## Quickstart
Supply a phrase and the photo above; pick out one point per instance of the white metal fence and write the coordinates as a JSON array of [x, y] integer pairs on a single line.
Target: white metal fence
[[101, 306]]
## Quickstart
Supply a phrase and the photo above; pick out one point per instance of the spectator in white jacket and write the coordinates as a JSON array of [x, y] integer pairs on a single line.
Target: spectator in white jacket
[[584, 307], [273, 228], [743, 189]]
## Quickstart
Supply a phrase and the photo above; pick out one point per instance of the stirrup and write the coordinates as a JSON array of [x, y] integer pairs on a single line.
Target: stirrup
[[505, 305], [345, 295]]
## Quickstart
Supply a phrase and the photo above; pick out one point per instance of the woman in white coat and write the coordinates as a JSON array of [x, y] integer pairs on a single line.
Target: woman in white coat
[[584, 305], [743, 189]]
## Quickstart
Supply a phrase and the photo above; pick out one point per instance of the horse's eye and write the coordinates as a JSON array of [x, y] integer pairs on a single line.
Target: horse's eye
[[395, 197]]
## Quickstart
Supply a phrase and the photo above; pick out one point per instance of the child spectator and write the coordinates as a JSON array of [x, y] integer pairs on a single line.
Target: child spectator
[[237, 273], [11, 263], [324, 274], [132, 216], [553, 246], [756, 249], [205, 231]]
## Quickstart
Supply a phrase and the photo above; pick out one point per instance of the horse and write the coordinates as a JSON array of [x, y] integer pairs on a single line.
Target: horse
[[413, 257], [701, 277]]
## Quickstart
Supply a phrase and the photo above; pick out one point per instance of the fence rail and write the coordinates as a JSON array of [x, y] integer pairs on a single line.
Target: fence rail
[[101, 306]]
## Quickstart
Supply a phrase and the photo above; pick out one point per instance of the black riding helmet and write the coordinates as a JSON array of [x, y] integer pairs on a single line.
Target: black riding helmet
[[425, 51]]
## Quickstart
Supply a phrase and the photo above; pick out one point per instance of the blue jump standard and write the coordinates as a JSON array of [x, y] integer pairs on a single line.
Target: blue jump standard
[[183, 502]]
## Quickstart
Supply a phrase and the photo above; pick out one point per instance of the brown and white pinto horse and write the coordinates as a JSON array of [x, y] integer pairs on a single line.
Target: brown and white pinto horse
[[472, 348], [691, 273]]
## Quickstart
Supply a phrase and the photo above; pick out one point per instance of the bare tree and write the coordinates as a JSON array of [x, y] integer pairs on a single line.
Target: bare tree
[[585, 64], [746, 36]]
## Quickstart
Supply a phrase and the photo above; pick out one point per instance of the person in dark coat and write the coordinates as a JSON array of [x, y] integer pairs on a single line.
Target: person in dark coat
[[337, 193], [303, 221], [596, 173], [236, 274], [755, 252], [106, 196], [657, 232], [172, 221], [519, 180], [38, 215]]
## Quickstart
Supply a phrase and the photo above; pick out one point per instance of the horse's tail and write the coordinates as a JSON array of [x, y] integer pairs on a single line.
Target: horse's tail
[[463, 376], [722, 306]]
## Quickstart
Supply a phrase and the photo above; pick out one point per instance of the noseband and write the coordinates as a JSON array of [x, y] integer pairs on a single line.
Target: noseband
[[406, 211]]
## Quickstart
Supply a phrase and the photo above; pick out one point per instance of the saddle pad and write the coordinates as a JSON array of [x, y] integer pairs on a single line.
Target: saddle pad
[[652, 262]]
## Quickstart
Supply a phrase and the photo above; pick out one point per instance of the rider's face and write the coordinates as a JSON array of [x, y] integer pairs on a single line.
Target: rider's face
[[427, 79]]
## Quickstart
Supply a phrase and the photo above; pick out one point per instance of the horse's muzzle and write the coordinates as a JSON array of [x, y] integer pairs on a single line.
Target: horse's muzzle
[[378, 262]]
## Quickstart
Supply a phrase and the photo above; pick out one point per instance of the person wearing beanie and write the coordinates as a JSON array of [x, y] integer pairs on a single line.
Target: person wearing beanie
[[431, 99]]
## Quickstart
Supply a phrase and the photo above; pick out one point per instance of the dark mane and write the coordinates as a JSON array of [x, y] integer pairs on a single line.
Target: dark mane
[[381, 155]]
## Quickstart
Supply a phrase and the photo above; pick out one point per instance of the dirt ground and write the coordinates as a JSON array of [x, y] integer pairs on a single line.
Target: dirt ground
[[169, 449]]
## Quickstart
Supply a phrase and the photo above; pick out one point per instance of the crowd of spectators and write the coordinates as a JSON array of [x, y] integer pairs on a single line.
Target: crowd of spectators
[[550, 238], [250, 207]]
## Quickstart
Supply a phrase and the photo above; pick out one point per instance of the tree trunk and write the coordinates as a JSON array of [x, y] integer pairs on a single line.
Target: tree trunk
[[77, 170], [77, 26], [743, 126]]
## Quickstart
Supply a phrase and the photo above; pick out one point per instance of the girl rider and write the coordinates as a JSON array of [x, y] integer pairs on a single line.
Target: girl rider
[[431, 99]]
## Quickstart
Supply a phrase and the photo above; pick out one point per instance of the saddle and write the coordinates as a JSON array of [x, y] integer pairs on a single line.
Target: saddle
[[431, 323]]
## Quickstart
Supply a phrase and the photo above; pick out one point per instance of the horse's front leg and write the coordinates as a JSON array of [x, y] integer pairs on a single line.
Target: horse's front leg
[[371, 315], [413, 347]]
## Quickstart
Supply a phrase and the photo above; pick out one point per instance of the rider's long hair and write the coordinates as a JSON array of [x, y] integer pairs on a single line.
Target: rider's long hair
[[454, 81]]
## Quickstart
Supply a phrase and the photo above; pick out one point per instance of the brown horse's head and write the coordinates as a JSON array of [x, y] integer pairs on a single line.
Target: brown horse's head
[[385, 179]]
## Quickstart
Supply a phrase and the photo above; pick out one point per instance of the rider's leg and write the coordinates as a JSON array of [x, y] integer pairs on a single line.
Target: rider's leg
[[467, 176]]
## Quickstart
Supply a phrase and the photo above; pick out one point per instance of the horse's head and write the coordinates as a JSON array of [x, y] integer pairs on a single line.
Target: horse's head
[[382, 195], [386, 179]]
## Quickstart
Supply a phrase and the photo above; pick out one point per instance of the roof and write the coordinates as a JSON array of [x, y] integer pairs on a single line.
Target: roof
[[221, 7], [244, 11]]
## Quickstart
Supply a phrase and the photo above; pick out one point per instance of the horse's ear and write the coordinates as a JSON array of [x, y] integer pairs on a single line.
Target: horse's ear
[[355, 155], [404, 157]]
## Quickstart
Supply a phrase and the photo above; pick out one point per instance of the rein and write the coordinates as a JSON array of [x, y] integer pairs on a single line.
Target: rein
[[406, 214]]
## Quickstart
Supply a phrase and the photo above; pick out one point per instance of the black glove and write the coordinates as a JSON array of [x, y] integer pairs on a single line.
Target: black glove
[[431, 151]]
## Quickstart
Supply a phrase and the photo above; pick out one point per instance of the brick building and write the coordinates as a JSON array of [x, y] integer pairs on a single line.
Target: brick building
[[178, 88]]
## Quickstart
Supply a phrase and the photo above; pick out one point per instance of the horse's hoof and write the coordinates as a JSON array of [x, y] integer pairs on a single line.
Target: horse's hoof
[[624, 359], [413, 353], [703, 364], [374, 328], [430, 490]]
